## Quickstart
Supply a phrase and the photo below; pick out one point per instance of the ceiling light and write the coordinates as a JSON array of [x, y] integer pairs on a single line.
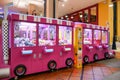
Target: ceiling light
[[65, 0], [66, 16], [61, 17], [72, 17], [81, 15], [110, 5], [63, 5]]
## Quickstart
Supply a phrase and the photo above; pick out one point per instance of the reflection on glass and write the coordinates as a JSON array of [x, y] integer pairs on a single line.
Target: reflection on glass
[[104, 37], [65, 35], [87, 36], [93, 14], [47, 35], [97, 37], [86, 16], [24, 34]]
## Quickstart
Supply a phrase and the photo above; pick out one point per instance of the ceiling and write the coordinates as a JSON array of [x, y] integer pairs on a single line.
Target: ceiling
[[75, 5], [63, 6]]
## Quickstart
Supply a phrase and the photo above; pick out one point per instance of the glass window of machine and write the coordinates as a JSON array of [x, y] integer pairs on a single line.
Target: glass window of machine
[[97, 37], [65, 35], [47, 35], [24, 34], [87, 36], [104, 37]]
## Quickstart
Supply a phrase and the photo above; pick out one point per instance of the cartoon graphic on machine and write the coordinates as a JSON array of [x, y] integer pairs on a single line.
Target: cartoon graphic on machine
[[36, 44]]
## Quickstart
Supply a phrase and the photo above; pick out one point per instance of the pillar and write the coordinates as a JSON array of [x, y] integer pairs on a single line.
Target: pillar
[[114, 24], [51, 8]]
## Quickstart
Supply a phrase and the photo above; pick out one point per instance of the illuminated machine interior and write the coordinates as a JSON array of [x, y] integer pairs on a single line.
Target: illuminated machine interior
[[24, 34], [65, 35], [47, 34], [97, 37], [87, 36], [104, 37]]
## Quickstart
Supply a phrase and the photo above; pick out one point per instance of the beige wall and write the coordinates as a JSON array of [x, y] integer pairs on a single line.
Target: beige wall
[[110, 18], [103, 13], [106, 15], [49, 11]]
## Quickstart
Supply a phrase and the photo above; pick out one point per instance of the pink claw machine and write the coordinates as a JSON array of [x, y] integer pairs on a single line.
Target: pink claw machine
[[65, 42], [32, 44], [97, 43], [86, 42], [107, 53], [88, 48]]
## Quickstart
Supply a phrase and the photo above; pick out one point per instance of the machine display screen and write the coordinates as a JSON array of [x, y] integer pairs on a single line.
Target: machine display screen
[[65, 35], [47, 35], [97, 37], [87, 36], [104, 37], [24, 34]]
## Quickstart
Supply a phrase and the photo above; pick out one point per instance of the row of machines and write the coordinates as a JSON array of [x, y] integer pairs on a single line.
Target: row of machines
[[32, 44], [35, 44], [91, 43]]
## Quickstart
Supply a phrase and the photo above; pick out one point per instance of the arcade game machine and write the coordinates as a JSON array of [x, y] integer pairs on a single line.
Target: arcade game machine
[[65, 41], [32, 44], [86, 42], [107, 53], [97, 43]]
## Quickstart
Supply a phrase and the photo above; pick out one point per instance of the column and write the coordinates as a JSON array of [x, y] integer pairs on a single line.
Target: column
[[114, 23], [51, 8]]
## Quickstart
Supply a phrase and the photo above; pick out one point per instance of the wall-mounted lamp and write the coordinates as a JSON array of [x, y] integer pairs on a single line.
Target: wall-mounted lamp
[[110, 5]]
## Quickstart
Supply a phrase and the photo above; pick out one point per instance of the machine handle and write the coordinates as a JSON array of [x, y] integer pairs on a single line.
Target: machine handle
[[40, 55], [99, 46], [66, 49], [34, 56], [27, 51], [89, 47], [105, 46], [48, 50]]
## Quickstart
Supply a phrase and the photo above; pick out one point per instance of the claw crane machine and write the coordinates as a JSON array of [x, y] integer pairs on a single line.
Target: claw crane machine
[[83, 43]]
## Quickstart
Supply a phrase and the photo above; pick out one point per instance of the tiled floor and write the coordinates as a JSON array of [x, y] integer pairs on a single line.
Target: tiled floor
[[93, 71]]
